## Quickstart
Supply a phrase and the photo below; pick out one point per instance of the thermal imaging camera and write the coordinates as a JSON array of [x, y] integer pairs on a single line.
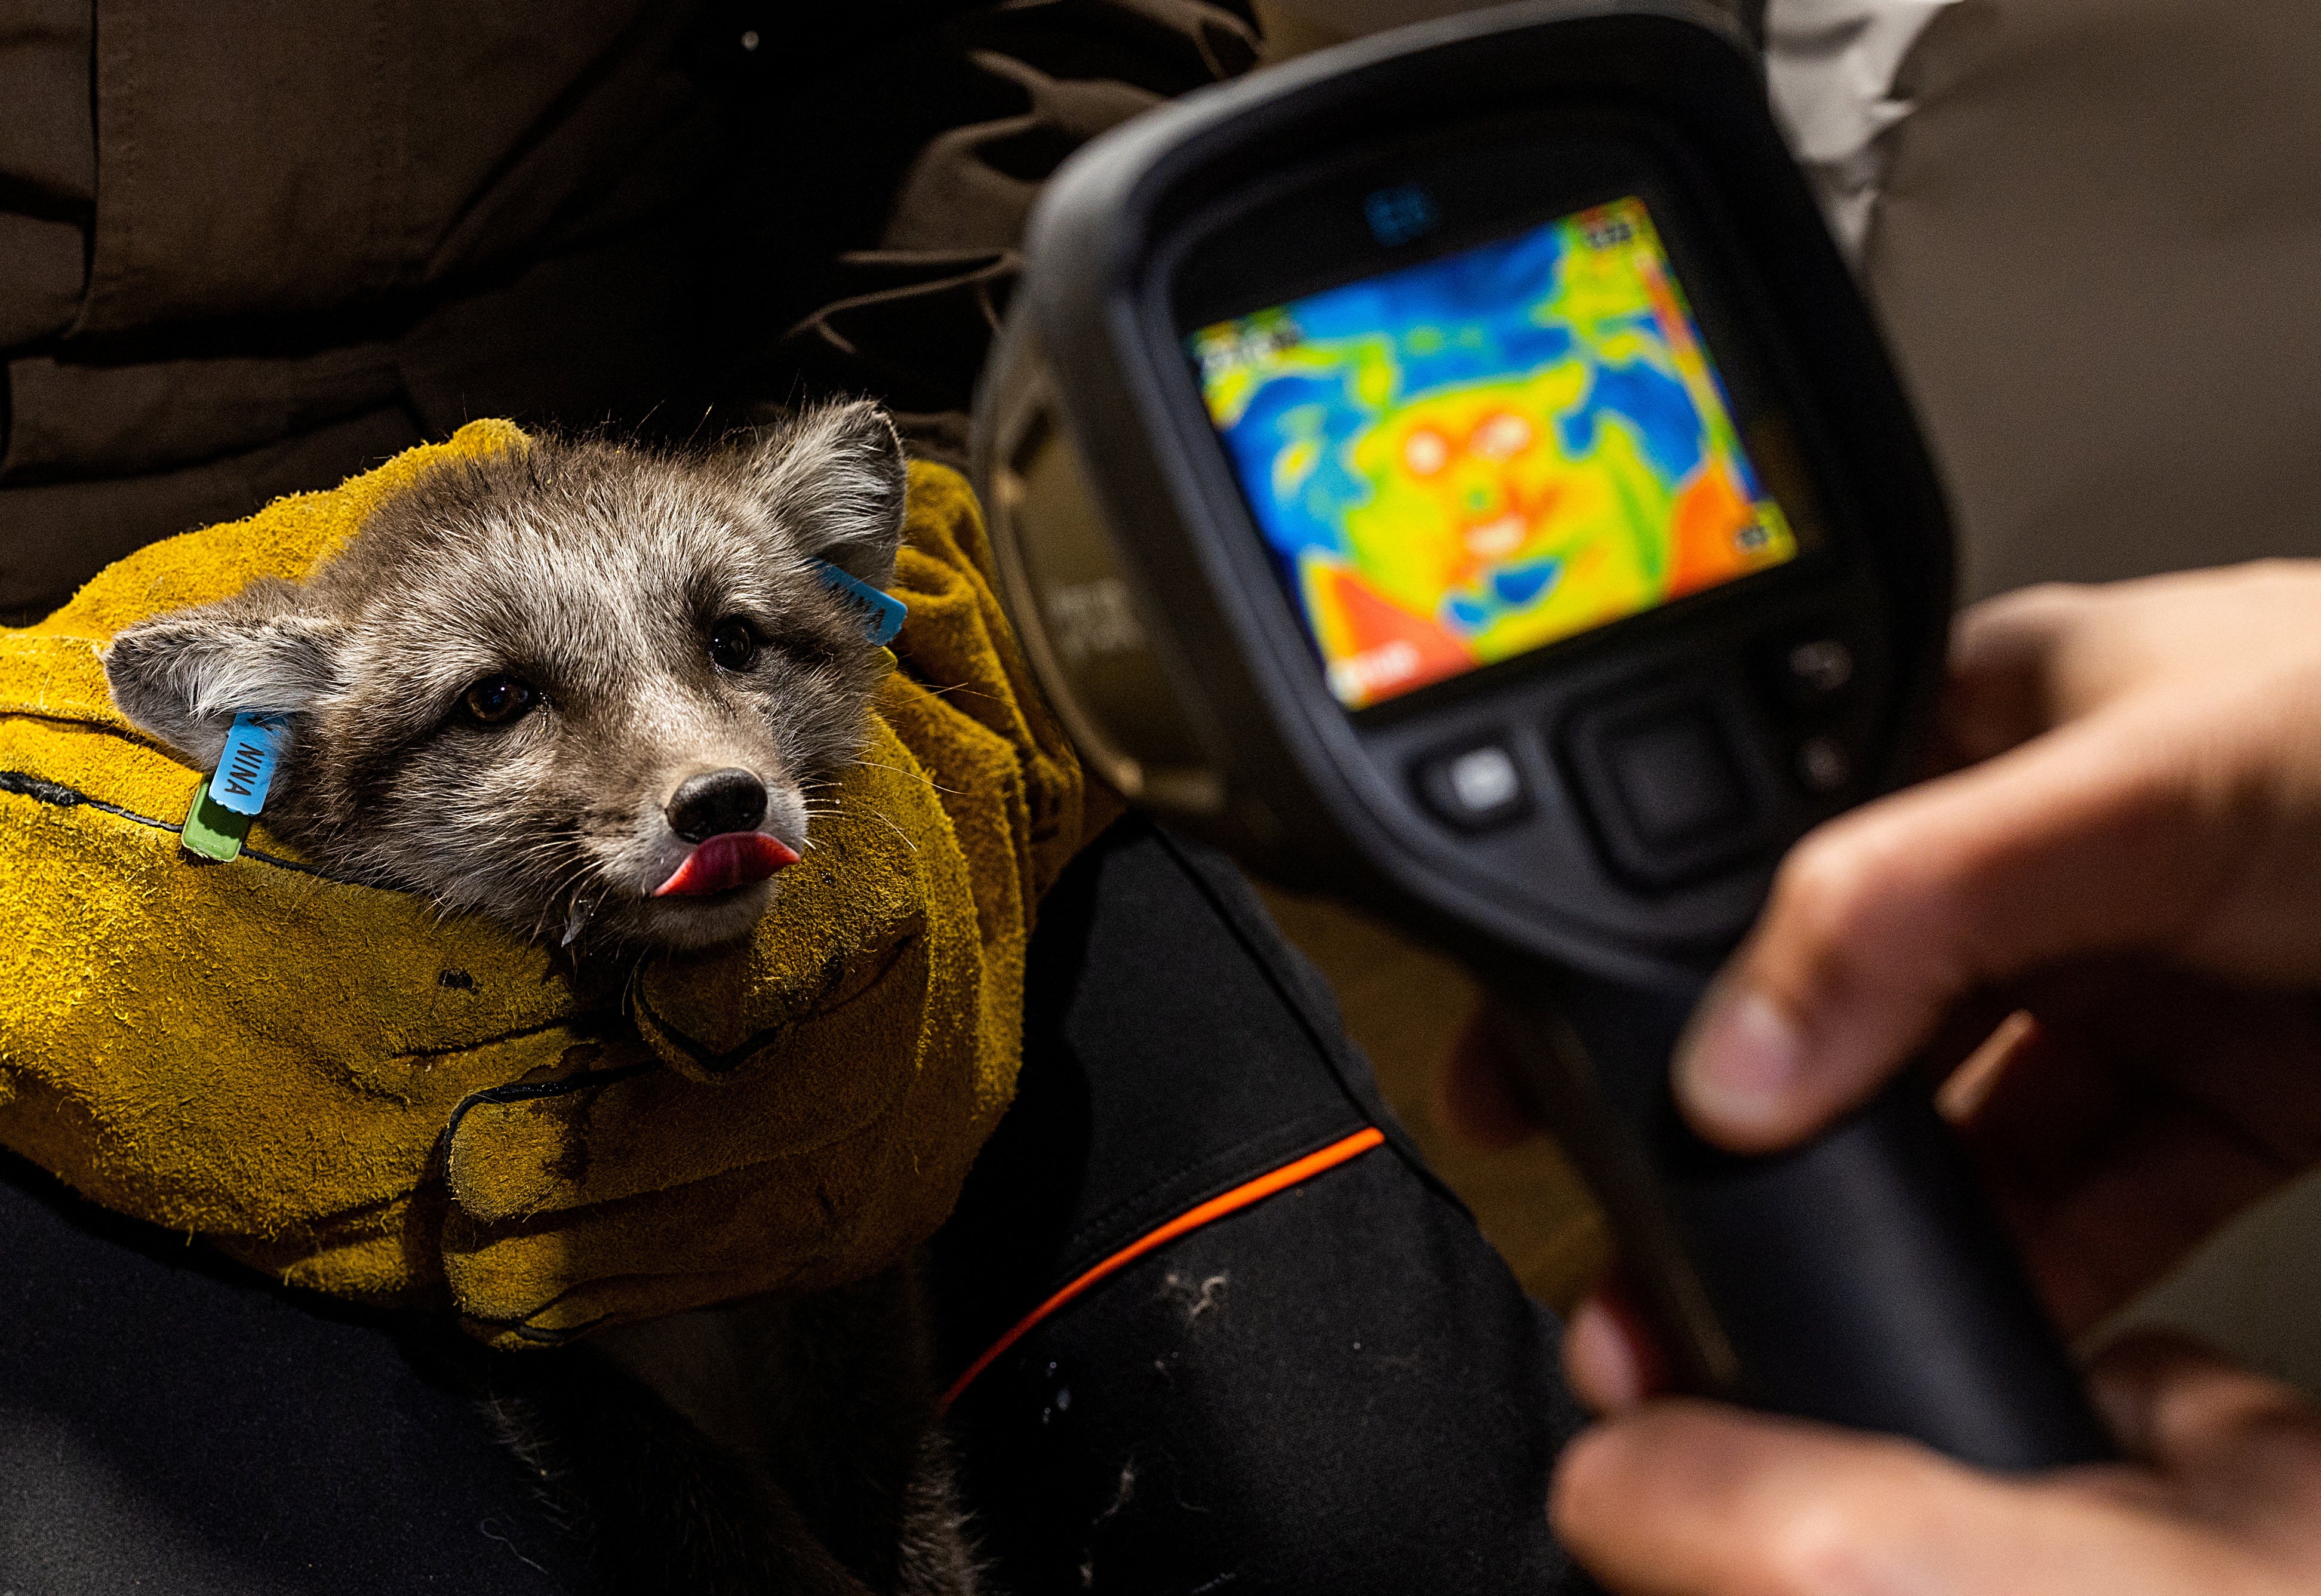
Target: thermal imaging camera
[[1456, 470]]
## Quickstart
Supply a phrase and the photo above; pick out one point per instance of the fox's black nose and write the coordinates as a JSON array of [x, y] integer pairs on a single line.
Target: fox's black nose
[[717, 801]]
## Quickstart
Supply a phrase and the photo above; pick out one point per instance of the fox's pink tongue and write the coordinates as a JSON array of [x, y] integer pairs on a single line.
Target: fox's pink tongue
[[729, 860]]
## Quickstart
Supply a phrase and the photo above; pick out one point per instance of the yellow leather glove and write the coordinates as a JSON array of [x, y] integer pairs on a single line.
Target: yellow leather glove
[[337, 1084]]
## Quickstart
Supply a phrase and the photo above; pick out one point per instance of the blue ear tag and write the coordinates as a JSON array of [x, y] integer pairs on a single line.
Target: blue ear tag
[[253, 748], [218, 818], [882, 612]]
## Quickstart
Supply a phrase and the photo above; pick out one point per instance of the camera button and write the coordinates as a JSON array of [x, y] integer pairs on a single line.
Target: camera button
[[1809, 671], [1674, 796], [1676, 780], [1824, 766], [1478, 788]]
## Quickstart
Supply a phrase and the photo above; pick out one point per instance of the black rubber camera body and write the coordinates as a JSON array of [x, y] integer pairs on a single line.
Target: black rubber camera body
[[1457, 471]]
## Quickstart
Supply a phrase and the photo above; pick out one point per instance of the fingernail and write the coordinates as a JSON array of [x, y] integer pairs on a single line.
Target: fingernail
[[1740, 1063]]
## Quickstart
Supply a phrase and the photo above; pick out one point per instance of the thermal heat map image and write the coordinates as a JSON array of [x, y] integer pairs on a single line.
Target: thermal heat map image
[[1463, 460]]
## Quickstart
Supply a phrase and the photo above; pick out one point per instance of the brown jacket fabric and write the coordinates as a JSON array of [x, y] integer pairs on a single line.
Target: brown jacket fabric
[[249, 248]]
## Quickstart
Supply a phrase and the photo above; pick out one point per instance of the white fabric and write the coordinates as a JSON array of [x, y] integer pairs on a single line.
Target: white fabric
[[1831, 65]]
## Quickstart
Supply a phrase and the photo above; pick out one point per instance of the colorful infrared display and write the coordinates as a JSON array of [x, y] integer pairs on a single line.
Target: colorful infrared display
[[1464, 461]]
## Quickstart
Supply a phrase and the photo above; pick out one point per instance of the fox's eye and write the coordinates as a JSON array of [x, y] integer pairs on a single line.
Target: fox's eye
[[732, 645], [499, 700]]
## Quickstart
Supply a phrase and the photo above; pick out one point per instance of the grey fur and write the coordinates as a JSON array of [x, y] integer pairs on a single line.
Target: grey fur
[[593, 572], [596, 574]]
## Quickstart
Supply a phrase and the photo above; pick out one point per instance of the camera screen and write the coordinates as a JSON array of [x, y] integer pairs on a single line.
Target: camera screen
[[1466, 460]]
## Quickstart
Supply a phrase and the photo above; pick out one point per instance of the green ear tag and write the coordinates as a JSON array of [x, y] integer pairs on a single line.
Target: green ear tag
[[212, 830]]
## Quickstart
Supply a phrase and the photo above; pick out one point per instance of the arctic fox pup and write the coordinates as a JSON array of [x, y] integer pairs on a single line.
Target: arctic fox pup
[[578, 688], [587, 690]]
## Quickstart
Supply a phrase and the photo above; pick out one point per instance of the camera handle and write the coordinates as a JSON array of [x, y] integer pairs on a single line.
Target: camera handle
[[1861, 1279]]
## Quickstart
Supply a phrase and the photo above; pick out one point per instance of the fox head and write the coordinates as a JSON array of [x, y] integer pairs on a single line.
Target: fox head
[[588, 690]]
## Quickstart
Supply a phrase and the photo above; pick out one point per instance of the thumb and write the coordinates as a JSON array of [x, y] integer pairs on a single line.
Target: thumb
[[1686, 1498], [2089, 840]]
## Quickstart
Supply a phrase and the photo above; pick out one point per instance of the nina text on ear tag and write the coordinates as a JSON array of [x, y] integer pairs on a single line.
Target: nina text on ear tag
[[225, 803], [882, 612], [246, 769]]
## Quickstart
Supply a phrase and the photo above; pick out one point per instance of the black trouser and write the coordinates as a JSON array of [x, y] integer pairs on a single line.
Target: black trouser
[[1337, 1387]]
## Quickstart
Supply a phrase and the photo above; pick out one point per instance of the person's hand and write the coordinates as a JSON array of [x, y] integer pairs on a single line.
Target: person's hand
[[1681, 1497], [2130, 867]]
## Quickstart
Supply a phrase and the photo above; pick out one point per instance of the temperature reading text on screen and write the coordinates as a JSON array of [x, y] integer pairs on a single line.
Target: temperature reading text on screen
[[1460, 461]]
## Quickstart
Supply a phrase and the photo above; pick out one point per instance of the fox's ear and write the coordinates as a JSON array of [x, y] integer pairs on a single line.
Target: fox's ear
[[834, 479], [184, 677]]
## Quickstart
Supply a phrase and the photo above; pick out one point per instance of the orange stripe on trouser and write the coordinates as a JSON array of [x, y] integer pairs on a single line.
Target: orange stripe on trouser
[[1217, 1207]]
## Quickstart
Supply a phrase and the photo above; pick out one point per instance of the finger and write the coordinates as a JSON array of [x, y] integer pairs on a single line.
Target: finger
[[2128, 1220], [1683, 1498], [2240, 1057], [2233, 1448], [2001, 690], [1474, 1096], [2139, 1110], [1881, 921], [2034, 658], [1600, 1362], [1611, 1357], [2189, 1410], [2106, 1176]]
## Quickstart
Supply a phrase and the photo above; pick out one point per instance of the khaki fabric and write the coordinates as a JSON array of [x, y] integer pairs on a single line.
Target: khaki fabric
[[249, 248], [2096, 255], [342, 1086], [242, 244]]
